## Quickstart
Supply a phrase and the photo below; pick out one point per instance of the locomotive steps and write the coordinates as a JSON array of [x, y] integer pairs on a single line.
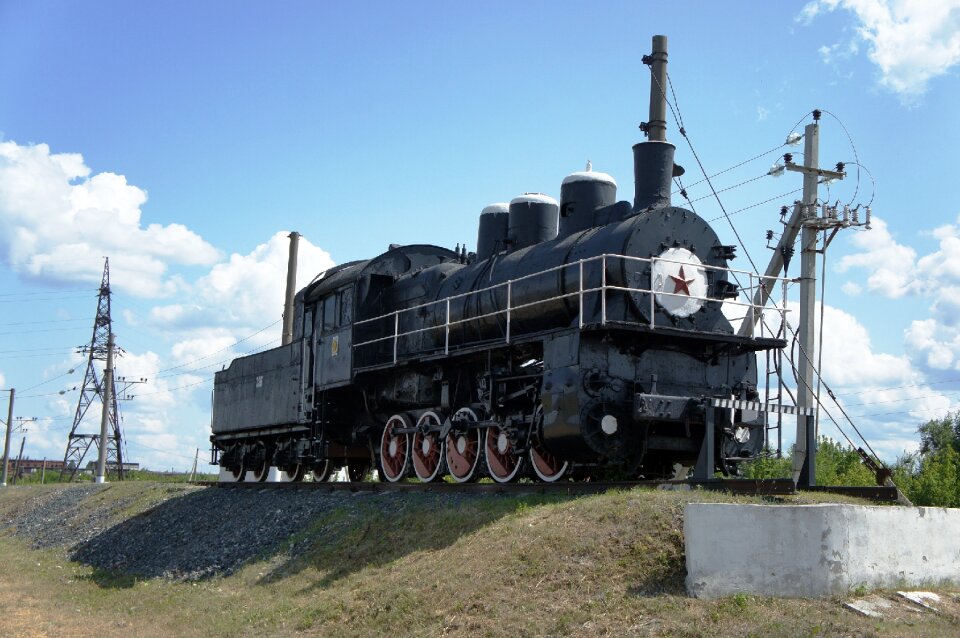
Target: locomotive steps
[[153, 559]]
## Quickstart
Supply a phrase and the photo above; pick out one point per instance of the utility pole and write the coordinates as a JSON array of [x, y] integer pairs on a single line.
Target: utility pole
[[805, 447], [806, 222], [105, 415], [43, 471], [16, 467], [193, 471], [6, 440], [79, 442]]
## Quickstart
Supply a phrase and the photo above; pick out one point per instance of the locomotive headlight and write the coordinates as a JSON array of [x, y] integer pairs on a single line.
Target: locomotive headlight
[[609, 424], [679, 282]]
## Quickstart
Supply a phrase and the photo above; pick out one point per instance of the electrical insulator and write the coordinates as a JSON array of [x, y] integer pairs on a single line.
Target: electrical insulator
[[783, 212], [855, 215], [867, 214], [846, 213], [788, 157], [833, 212], [794, 138], [824, 211], [769, 235]]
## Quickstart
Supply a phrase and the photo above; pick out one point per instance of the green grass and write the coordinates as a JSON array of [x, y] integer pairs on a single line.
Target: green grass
[[610, 564]]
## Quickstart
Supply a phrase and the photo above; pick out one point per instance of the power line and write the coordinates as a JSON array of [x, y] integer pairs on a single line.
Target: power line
[[51, 349], [766, 201], [729, 188], [34, 323], [20, 332], [208, 355], [898, 412], [735, 166], [48, 292], [155, 449], [45, 299], [189, 385]]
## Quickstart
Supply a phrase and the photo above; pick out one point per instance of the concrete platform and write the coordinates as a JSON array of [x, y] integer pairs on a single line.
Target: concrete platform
[[807, 551]]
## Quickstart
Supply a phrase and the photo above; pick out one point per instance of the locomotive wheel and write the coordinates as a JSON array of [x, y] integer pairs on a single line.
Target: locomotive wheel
[[322, 471], [395, 449], [295, 472], [239, 469], [546, 466], [261, 464], [464, 450], [357, 470], [502, 463], [427, 450]]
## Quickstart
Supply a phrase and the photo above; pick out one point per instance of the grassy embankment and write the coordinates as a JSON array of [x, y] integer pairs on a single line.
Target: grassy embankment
[[504, 566]]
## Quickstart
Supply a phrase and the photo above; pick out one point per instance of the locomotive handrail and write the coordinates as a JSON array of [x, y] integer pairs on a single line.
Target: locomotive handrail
[[755, 282]]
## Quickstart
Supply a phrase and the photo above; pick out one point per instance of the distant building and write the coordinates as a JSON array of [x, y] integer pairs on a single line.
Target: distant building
[[29, 466], [112, 467]]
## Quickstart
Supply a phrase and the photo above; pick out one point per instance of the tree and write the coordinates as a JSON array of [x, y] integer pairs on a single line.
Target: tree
[[932, 477], [938, 481], [838, 464], [939, 434]]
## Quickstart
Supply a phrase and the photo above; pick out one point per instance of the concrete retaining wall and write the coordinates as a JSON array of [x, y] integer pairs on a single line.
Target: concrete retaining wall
[[817, 550]]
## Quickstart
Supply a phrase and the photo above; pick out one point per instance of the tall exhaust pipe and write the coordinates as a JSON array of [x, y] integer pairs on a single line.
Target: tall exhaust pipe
[[657, 125], [653, 168], [291, 289]]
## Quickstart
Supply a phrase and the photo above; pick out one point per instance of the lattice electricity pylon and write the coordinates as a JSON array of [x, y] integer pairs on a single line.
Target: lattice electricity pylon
[[78, 443]]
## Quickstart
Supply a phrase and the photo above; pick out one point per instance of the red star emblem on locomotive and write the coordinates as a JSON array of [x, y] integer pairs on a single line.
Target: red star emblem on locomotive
[[681, 283]]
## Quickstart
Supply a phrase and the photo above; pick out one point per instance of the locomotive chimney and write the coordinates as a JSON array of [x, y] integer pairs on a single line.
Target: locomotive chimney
[[653, 167], [291, 289]]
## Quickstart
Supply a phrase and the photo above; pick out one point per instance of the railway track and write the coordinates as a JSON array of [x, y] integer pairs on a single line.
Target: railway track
[[765, 487]]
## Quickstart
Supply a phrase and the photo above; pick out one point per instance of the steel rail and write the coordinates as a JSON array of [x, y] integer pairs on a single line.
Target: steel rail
[[757, 487]]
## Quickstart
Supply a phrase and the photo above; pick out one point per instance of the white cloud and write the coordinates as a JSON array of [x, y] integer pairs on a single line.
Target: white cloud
[[891, 264], [57, 221], [910, 41], [851, 288], [245, 292], [886, 395], [848, 355], [762, 113]]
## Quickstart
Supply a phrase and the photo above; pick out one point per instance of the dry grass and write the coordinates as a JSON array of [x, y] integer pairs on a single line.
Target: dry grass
[[609, 565]]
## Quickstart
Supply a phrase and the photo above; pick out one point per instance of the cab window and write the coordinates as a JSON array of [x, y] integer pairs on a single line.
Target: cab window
[[308, 324], [330, 313], [346, 307]]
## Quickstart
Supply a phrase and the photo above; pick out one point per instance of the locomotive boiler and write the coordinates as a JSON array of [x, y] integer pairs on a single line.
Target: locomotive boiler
[[583, 336]]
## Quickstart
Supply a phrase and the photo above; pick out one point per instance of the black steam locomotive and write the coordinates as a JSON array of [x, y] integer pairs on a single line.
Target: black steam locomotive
[[580, 336]]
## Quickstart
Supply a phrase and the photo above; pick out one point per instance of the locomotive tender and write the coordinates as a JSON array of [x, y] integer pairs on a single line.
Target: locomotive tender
[[581, 335]]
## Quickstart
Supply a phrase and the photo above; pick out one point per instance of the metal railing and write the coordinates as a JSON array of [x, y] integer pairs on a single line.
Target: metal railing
[[752, 312]]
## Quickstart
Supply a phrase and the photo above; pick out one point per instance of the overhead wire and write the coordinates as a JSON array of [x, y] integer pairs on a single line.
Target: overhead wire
[[154, 449], [856, 156], [693, 151], [735, 166], [48, 292], [683, 133], [34, 323], [210, 354]]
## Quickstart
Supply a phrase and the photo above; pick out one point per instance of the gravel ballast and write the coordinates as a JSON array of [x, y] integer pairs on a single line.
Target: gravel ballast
[[186, 532]]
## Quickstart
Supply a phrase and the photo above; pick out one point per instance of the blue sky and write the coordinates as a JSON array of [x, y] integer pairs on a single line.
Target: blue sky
[[184, 140]]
